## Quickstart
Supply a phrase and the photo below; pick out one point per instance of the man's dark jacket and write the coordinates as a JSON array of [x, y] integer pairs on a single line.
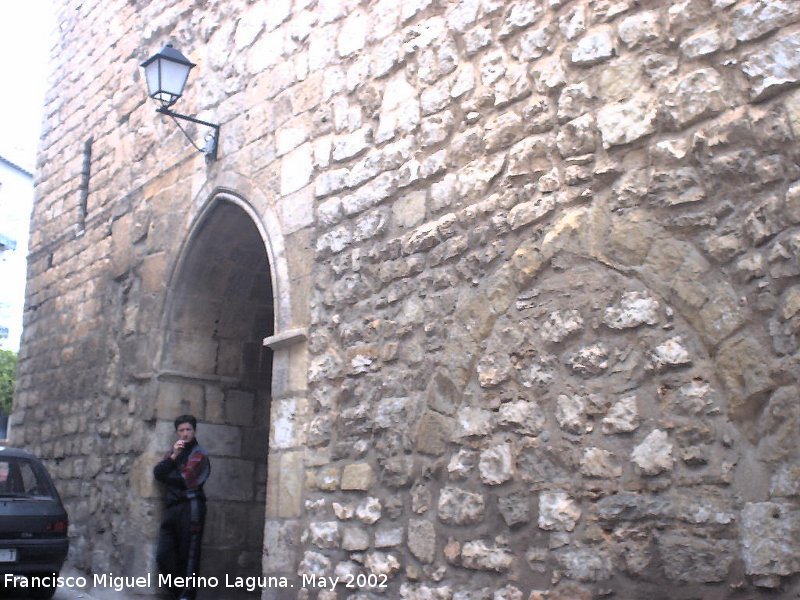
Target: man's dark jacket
[[184, 476]]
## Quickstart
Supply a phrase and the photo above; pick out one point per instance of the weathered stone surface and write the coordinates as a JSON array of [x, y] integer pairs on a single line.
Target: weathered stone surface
[[325, 534], [355, 539], [531, 212], [496, 464], [296, 170], [420, 498], [314, 563], [769, 533], [493, 370], [764, 221], [654, 454], [357, 477], [528, 272], [790, 302], [671, 353], [673, 187], [462, 463], [483, 556], [460, 507], [474, 422], [331, 182], [786, 482], [434, 433], [589, 360], [751, 20], [557, 511], [369, 510], [388, 538], [515, 508], [698, 95], [425, 592], [422, 540], [626, 122], [561, 324], [600, 463], [596, 46], [577, 137], [474, 179], [382, 563], [634, 309], [571, 413], [574, 101], [693, 559], [622, 417], [641, 28], [352, 144], [502, 131], [585, 564], [529, 157], [774, 68], [522, 416], [703, 43], [628, 506], [740, 365]]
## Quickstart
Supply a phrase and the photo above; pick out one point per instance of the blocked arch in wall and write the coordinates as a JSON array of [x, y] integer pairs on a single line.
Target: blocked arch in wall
[[503, 345], [225, 296]]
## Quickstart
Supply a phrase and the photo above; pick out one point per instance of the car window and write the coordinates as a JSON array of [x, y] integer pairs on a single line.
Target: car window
[[20, 477]]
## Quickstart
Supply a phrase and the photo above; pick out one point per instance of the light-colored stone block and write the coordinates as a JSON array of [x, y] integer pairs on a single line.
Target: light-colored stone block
[[296, 169], [357, 477]]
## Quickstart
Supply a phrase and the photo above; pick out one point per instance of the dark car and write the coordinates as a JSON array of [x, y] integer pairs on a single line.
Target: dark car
[[33, 525]]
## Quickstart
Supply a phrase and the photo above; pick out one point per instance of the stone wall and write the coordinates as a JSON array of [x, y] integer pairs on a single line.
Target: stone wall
[[535, 273]]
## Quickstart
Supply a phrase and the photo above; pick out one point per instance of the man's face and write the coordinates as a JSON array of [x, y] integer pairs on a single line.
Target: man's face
[[186, 432]]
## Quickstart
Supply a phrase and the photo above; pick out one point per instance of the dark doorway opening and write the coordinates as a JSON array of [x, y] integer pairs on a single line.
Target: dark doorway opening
[[222, 307]]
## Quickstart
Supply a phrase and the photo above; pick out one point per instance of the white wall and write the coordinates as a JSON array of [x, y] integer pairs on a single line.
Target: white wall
[[16, 200]]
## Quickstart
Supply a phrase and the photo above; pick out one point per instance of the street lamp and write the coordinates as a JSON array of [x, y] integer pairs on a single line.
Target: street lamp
[[166, 73]]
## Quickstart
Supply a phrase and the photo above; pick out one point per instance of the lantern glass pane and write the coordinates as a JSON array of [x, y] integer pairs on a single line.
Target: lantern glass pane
[[151, 75], [173, 77]]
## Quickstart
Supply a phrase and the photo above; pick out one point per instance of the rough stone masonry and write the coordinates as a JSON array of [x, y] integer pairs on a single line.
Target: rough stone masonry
[[528, 274]]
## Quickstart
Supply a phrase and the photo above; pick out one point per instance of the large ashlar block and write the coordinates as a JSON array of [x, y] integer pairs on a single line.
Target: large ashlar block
[[288, 423], [296, 169], [285, 481], [357, 477], [297, 209], [191, 353], [142, 482], [227, 523], [122, 245], [175, 398], [153, 272], [280, 543], [232, 479], [239, 407], [769, 535], [220, 440]]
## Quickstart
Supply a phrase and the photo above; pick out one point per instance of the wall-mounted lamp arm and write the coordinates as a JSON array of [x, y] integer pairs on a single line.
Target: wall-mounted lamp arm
[[211, 144]]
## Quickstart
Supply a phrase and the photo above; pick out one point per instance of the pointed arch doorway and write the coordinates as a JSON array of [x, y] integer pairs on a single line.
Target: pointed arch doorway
[[213, 361]]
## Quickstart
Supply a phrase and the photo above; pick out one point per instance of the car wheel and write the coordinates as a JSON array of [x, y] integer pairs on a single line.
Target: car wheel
[[44, 591]]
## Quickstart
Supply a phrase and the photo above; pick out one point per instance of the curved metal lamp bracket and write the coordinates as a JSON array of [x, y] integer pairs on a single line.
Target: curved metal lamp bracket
[[212, 139]]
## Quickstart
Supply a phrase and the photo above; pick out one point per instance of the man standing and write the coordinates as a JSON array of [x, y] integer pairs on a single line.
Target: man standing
[[184, 470]]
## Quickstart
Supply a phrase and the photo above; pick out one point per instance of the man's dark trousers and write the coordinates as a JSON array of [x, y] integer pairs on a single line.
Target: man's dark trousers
[[179, 542]]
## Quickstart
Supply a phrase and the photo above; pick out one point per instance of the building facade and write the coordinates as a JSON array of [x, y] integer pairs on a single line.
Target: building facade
[[16, 201], [481, 299]]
